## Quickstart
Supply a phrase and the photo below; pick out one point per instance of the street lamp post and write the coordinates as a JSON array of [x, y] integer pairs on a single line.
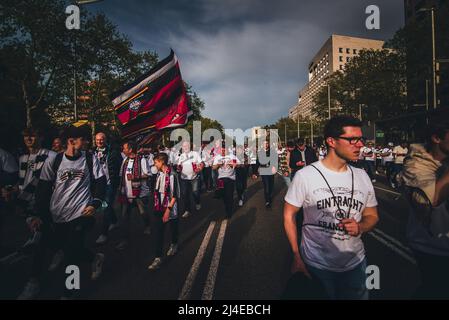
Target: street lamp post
[[434, 82], [329, 99]]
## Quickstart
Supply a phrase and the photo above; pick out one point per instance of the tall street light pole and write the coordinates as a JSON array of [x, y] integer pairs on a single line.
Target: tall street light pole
[[434, 82], [329, 99]]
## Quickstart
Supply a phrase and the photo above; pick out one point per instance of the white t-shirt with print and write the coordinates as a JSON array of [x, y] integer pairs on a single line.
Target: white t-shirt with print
[[324, 244], [371, 151], [390, 157], [187, 160], [72, 191], [226, 171], [145, 170]]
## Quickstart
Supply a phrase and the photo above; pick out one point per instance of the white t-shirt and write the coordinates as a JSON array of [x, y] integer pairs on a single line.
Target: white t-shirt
[[145, 170], [207, 158], [324, 245], [71, 192], [226, 171], [30, 160], [7, 162], [390, 157], [187, 160], [399, 159], [371, 152]]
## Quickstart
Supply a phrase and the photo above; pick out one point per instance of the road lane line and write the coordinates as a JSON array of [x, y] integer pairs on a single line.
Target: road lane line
[[188, 284], [394, 240], [393, 247], [209, 287], [386, 190]]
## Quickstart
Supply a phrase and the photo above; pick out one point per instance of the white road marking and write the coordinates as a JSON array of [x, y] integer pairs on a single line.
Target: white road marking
[[394, 240], [209, 287], [187, 288], [386, 190], [403, 254]]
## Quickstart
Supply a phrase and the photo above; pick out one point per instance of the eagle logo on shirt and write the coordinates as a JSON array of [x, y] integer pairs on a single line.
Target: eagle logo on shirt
[[71, 174]]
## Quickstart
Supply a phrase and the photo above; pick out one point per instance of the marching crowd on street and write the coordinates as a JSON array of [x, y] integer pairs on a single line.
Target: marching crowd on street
[[59, 191]]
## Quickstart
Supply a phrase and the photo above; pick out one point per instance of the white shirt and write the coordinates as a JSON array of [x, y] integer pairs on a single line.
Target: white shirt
[[371, 151], [399, 159], [226, 171], [187, 160], [323, 244], [7, 162], [206, 157], [71, 193], [145, 170], [390, 157]]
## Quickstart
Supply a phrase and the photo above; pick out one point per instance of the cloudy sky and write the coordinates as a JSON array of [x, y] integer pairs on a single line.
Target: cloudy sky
[[247, 59]]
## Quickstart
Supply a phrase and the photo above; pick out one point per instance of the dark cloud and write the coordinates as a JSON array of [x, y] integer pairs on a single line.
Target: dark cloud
[[246, 58]]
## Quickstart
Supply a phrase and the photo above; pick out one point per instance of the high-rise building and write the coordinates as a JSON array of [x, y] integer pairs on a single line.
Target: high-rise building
[[332, 57]]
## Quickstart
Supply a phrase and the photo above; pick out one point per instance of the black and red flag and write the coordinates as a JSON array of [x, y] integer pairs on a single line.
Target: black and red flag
[[155, 101]]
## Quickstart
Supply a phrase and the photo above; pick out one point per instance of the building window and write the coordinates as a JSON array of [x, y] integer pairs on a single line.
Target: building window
[[340, 58], [354, 51], [341, 67], [347, 59], [340, 50], [348, 50]]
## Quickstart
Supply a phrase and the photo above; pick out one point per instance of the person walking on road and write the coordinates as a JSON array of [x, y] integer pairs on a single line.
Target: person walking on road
[[339, 205]]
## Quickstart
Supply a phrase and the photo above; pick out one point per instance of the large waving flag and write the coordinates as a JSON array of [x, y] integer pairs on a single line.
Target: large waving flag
[[155, 101]]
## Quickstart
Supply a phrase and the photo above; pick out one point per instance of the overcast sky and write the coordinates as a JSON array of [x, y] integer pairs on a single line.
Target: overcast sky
[[247, 59]]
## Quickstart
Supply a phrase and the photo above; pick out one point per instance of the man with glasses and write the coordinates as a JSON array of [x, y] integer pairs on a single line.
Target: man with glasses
[[339, 205]]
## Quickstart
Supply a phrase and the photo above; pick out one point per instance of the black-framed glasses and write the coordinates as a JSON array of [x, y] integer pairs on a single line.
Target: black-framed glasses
[[353, 140]]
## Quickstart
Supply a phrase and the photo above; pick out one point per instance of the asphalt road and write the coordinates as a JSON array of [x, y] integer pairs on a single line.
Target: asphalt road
[[245, 257]]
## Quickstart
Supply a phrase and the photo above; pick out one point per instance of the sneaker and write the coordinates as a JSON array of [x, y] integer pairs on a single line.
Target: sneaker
[[102, 239], [240, 203], [198, 207], [112, 226], [172, 250], [147, 231], [30, 291], [186, 214], [56, 261], [156, 264], [374, 180], [122, 245], [268, 204], [97, 266]]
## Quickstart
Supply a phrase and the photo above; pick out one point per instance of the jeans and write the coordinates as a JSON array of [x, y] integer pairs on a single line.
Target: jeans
[[72, 237], [241, 177], [268, 184], [189, 187], [348, 285], [214, 178], [397, 167], [142, 205], [206, 175], [109, 216], [159, 227], [370, 169], [228, 196], [388, 170]]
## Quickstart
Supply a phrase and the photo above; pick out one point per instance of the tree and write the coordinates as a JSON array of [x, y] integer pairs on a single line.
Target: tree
[[373, 82]]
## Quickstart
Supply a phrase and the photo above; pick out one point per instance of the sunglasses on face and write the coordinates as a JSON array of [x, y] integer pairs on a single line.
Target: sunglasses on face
[[353, 140]]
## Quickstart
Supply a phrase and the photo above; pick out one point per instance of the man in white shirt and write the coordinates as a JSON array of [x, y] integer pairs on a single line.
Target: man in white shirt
[[226, 164], [189, 166], [387, 160], [339, 205], [369, 154], [399, 153]]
